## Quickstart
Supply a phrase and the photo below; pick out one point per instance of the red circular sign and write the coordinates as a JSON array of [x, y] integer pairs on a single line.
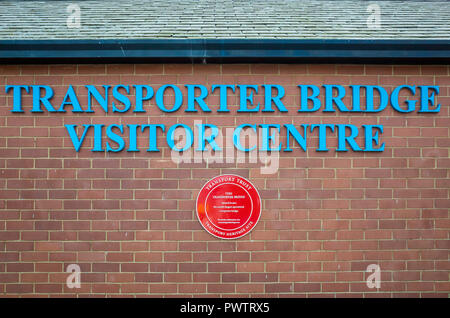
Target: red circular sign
[[228, 206]]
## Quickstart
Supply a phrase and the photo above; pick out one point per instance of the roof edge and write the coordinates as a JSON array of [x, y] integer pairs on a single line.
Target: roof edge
[[225, 51]]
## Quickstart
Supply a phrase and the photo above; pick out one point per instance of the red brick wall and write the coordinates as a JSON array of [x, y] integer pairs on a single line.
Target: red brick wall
[[128, 218]]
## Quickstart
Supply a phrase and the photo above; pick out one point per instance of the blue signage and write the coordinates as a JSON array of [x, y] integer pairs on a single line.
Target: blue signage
[[327, 99]]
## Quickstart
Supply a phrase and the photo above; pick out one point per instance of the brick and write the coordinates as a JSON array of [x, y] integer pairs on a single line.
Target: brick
[[235, 278], [192, 267], [129, 218], [278, 287]]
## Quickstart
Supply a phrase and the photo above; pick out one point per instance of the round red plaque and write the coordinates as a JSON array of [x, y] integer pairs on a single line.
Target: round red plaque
[[228, 206]]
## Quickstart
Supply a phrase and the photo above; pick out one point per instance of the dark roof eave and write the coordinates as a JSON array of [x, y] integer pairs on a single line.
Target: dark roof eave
[[225, 51]]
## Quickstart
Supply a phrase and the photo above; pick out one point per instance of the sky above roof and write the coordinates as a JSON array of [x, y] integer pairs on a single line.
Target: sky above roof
[[224, 19]]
